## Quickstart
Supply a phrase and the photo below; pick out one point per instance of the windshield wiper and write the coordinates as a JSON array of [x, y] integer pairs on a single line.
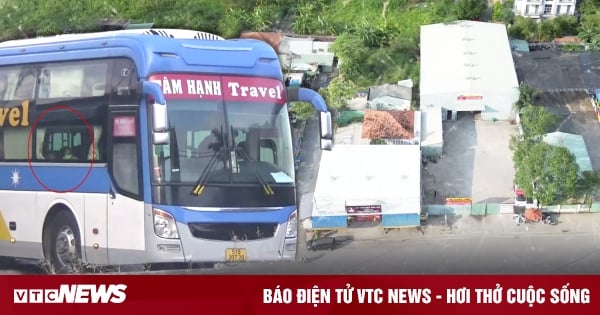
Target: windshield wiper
[[201, 183], [250, 161], [266, 187], [218, 148]]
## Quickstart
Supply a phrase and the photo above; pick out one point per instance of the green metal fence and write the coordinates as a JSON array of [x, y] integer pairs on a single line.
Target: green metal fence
[[478, 209], [481, 209]]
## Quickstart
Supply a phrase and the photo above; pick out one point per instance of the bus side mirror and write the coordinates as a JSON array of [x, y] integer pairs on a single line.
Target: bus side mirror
[[326, 128], [326, 125], [160, 122], [326, 144]]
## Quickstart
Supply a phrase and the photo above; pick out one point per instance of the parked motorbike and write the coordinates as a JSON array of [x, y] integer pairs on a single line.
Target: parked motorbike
[[548, 219], [519, 219]]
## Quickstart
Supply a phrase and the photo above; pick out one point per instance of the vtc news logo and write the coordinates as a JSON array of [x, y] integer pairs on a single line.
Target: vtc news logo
[[73, 293]]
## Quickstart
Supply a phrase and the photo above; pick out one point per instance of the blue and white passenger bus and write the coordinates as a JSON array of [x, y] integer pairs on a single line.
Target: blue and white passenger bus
[[147, 146]]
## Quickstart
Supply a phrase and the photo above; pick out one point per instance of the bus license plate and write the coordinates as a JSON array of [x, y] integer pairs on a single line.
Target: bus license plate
[[235, 254]]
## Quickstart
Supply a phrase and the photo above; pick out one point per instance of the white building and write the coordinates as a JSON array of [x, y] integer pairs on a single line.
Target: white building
[[298, 52], [468, 66], [432, 132], [544, 8], [384, 176]]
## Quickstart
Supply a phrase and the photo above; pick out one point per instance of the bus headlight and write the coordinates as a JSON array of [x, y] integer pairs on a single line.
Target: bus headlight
[[292, 225], [164, 224]]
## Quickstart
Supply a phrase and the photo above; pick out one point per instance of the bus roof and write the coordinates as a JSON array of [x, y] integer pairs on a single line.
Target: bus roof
[[187, 51], [172, 33]]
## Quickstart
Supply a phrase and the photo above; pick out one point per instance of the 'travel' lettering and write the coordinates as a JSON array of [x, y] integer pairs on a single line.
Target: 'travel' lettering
[[254, 91], [236, 88], [15, 116]]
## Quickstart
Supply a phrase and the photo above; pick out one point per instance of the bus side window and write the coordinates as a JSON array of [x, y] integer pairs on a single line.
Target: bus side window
[[26, 86], [124, 77], [68, 144], [94, 154], [124, 164]]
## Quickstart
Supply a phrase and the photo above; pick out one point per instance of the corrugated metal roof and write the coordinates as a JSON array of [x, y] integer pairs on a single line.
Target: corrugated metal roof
[[519, 45], [575, 144], [389, 175], [465, 56], [394, 90]]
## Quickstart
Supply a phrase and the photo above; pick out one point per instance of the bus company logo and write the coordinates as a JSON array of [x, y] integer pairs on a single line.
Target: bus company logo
[[73, 294], [214, 87]]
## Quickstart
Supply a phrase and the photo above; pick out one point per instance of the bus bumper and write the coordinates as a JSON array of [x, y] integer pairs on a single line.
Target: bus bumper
[[190, 249]]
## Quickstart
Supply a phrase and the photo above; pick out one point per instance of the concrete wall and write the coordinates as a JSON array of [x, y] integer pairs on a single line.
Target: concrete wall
[[498, 104], [432, 134]]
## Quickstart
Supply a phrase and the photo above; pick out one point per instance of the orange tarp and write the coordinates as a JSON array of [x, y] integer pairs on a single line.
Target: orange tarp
[[532, 214], [271, 38]]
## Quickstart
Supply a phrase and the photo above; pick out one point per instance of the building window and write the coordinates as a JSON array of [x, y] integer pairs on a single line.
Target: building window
[[547, 8]]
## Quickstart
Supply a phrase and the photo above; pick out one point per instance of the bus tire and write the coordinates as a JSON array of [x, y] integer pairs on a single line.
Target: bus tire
[[63, 246]]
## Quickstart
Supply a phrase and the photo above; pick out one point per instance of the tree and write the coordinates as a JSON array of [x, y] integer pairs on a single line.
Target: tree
[[564, 25], [527, 96], [497, 11], [559, 181], [553, 172], [338, 92], [234, 23], [521, 149], [303, 110], [261, 18], [469, 9], [588, 184], [537, 121], [588, 31], [503, 11], [523, 28], [350, 50]]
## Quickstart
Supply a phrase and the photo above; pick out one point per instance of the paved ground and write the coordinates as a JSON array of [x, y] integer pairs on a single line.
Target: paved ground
[[477, 163], [493, 245], [553, 70]]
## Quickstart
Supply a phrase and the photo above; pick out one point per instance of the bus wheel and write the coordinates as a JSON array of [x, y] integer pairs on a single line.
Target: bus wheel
[[63, 248]]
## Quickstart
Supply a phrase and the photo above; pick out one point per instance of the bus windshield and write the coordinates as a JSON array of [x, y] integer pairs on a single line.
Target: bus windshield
[[230, 142], [224, 130]]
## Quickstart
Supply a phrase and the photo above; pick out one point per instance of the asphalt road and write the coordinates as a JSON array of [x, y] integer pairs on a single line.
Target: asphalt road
[[509, 253], [513, 253]]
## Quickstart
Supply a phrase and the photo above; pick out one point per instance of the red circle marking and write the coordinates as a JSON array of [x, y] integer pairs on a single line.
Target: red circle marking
[[89, 128]]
